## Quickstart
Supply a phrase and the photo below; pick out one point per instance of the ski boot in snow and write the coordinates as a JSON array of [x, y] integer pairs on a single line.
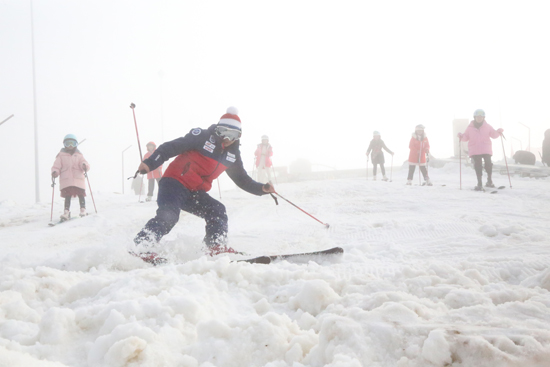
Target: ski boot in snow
[[429, 182], [65, 216], [478, 188], [384, 178], [374, 178], [83, 212], [149, 198], [151, 257], [490, 184], [409, 182], [220, 249]]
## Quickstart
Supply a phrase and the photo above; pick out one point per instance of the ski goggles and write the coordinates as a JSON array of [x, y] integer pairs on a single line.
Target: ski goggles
[[227, 133], [70, 143]]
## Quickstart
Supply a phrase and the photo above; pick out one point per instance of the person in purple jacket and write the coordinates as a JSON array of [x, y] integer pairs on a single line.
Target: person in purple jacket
[[478, 135]]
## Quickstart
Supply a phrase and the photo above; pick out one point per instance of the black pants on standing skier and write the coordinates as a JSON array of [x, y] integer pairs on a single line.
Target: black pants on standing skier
[[174, 197], [412, 168], [478, 166]]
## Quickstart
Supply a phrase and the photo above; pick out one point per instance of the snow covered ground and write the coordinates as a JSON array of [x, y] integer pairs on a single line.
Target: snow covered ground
[[432, 276]]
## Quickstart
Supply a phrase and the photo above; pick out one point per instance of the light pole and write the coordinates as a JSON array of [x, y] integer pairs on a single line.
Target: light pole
[[6, 119], [123, 167], [36, 170], [529, 141], [161, 75]]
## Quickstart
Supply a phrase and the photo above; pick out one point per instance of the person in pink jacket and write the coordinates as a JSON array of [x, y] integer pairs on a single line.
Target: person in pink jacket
[[262, 155], [154, 175], [478, 135], [419, 148], [70, 166]]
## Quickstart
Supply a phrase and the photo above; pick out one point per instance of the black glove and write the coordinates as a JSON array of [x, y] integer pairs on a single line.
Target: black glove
[[84, 167], [267, 186], [55, 174]]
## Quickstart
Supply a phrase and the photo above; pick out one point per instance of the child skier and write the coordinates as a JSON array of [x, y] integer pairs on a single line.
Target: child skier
[[376, 145], [419, 147], [478, 135], [154, 175], [70, 165]]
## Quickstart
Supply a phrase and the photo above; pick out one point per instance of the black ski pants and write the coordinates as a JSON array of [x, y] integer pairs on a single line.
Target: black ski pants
[[479, 167], [412, 168], [81, 200], [173, 197]]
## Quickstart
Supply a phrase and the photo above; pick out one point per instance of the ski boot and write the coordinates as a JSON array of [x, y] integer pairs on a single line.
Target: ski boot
[[429, 182], [148, 198], [150, 257], [65, 216], [374, 178], [384, 178], [409, 182], [83, 212], [220, 249], [490, 184], [478, 188]]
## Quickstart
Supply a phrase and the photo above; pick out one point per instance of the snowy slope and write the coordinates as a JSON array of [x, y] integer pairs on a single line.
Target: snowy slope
[[432, 276]]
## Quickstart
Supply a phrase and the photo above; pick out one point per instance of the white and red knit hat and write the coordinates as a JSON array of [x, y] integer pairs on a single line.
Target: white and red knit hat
[[231, 119]]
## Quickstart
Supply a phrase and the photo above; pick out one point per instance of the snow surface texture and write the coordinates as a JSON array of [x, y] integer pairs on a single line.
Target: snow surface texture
[[432, 276]]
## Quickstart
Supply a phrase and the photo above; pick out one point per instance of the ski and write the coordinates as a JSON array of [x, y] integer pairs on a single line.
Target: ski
[[155, 259], [490, 191], [263, 259], [53, 224]]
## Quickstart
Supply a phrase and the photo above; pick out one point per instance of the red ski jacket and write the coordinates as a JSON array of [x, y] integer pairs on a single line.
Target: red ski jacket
[[201, 158]]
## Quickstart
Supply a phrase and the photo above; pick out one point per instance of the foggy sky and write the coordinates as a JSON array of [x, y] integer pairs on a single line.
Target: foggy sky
[[316, 76]]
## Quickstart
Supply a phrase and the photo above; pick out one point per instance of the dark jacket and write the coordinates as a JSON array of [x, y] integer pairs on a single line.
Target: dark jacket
[[376, 147], [201, 159]]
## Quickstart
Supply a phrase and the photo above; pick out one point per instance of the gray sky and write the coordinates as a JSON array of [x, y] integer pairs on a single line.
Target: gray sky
[[316, 76]]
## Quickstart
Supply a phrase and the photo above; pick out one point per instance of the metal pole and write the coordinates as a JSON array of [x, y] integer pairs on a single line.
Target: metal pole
[[123, 167], [529, 137], [6, 119], [36, 170]]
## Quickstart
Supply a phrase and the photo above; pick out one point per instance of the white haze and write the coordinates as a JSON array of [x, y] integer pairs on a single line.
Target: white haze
[[316, 76]]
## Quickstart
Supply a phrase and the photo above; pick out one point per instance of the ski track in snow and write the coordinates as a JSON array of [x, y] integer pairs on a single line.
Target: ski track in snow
[[432, 276]]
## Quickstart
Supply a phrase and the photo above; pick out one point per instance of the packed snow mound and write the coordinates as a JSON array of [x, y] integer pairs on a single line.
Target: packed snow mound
[[431, 276]]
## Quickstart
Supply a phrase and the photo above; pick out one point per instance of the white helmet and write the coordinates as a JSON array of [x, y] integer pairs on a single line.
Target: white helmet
[[265, 137]]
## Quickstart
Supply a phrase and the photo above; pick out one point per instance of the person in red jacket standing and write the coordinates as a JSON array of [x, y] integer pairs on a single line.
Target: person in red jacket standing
[[263, 159], [154, 175], [419, 148], [201, 156]]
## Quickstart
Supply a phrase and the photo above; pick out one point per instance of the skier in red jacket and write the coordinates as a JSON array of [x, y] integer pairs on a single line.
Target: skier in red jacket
[[202, 155], [419, 148]]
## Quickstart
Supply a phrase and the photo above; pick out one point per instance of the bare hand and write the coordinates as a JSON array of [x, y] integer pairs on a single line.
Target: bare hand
[[143, 168]]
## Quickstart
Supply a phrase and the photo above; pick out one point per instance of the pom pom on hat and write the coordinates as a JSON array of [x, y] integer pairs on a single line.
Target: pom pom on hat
[[231, 119]]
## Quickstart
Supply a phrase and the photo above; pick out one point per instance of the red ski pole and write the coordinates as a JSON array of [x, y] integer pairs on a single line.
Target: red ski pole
[[460, 161], [296, 206], [133, 106], [90, 187]]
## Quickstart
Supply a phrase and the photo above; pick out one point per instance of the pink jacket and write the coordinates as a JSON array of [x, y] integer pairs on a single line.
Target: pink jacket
[[70, 170], [157, 173], [479, 141], [418, 149]]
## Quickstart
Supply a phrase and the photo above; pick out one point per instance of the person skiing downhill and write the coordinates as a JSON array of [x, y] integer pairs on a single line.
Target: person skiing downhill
[[262, 155], [478, 135], [154, 175], [70, 166], [419, 148], [376, 145], [202, 155]]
